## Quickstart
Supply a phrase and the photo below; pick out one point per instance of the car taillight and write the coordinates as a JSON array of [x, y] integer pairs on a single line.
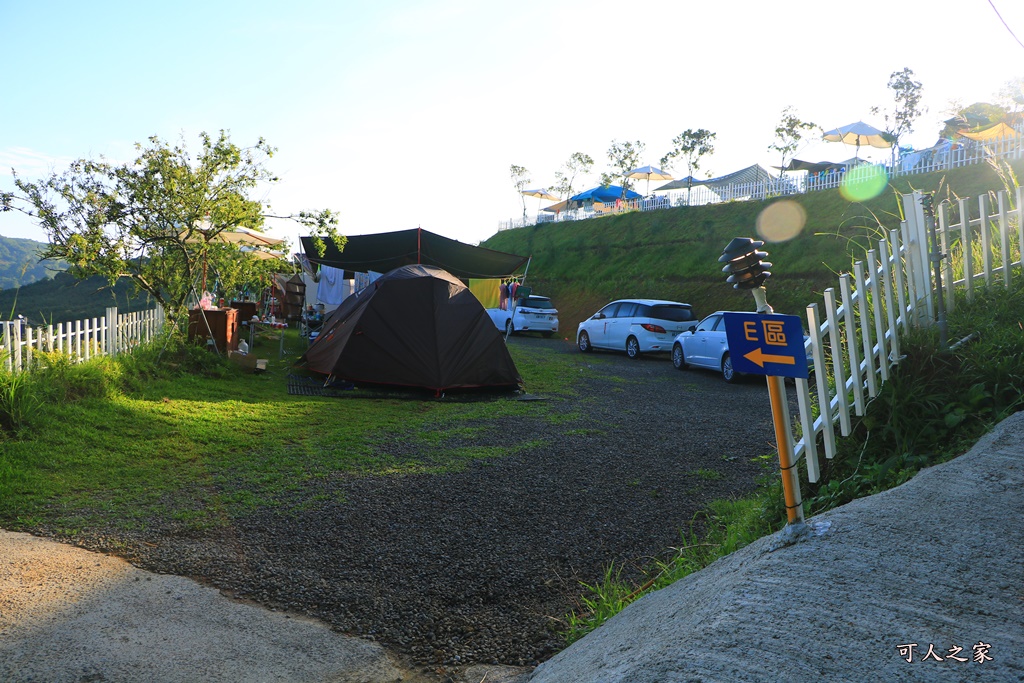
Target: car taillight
[[657, 329]]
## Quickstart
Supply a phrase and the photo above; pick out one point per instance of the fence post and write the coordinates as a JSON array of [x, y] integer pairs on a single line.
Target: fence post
[[1004, 237], [8, 356], [917, 249], [112, 331]]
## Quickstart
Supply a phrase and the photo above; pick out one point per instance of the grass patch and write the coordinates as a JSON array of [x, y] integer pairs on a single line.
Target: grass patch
[[725, 527], [175, 432]]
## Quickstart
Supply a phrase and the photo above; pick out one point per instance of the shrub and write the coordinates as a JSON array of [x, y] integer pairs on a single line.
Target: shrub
[[19, 401]]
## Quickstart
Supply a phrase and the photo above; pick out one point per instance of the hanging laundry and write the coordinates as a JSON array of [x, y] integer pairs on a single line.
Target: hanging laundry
[[331, 289]]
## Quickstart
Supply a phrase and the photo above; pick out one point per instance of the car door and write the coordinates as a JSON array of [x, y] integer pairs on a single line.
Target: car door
[[696, 346], [597, 326], [717, 344], [618, 326]]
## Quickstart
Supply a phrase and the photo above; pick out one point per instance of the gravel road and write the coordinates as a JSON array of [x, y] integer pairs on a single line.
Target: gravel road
[[480, 566]]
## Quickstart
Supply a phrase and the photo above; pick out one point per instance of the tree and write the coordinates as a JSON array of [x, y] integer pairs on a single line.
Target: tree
[[1011, 97], [907, 94], [976, 116], [159, 220], [520, 179], [788, 134], [689, 145], [623, 158], [577, 165]]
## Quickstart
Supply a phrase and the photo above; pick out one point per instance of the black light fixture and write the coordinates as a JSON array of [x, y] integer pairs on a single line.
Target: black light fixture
[[743, 262]]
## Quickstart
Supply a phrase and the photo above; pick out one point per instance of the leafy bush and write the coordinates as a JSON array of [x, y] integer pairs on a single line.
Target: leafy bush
[[61, 379], [168, 357]]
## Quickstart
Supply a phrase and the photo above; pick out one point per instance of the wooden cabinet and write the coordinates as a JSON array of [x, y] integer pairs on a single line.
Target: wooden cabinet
[[246, 309], [223, 323]]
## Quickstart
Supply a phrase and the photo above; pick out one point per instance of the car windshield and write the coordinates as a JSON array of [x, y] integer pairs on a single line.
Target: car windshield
[[676, 313]]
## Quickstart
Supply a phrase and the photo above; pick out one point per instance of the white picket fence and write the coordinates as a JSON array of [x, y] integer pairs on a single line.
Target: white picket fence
[[81, 339], [857, 334]]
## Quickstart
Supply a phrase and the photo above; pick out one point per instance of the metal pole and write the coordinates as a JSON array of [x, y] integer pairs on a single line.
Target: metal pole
[[790, 479], [780, 419]]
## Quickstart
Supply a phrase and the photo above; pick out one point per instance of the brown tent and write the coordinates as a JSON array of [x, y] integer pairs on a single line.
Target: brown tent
[[415, 326]]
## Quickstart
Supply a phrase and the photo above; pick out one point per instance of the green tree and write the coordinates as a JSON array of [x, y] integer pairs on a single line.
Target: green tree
[[907, 95], [976, 116], [579, 164], [788, 134], [159, 220], [520, 180], [623, 158], [690, 145]]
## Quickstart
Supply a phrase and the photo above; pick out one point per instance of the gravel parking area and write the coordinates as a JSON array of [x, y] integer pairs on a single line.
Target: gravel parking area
[[480, 566]]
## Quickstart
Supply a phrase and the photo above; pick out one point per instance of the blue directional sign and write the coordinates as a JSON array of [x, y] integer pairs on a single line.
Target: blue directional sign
[[766, 344]]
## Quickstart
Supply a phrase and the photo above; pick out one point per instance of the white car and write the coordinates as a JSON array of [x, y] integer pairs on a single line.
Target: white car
[[532, 314], [635, 326], [707, 347]]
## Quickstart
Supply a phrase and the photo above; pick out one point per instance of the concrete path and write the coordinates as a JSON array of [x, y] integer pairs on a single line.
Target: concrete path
[[67, 614], [879, 590]]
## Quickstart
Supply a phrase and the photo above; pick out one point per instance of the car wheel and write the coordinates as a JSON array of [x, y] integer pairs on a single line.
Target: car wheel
[[584, 343], [509, 327], [678, 357], [728, 374], [632, 347]]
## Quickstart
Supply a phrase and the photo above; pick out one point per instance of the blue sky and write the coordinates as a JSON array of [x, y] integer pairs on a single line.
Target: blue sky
[[406, 113]]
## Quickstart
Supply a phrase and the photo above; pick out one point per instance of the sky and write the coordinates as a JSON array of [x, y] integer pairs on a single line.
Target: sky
[[408, 113]]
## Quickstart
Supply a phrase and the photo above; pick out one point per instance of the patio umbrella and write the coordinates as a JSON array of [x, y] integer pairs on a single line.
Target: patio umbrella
[[649, 173], [540, 194], [248, 240], [859, 133]]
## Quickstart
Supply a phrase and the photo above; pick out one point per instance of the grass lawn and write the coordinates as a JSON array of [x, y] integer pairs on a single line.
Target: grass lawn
[[203, 447]]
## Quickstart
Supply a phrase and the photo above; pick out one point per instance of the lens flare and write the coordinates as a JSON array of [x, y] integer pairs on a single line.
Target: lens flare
[[781, 221], [863, 183]]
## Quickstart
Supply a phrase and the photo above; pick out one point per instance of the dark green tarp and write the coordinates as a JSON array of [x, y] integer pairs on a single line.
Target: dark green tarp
[[386, 251], [415, 326]]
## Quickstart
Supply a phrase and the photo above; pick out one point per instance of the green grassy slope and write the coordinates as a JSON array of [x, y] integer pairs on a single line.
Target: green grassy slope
[[673, 254], [20, 264]]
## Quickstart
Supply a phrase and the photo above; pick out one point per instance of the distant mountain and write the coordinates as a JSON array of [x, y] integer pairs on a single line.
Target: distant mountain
[[20, 264], [63, 298]]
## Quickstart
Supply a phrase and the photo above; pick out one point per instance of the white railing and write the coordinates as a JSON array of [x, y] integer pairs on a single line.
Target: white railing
[[926, 161], [857, 335], [81, 339]]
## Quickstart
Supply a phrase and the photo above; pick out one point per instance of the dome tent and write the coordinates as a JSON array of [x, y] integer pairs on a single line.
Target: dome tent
[[415, 326]]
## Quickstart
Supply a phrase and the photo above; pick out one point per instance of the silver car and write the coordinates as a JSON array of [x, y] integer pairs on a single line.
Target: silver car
[[635, 326]]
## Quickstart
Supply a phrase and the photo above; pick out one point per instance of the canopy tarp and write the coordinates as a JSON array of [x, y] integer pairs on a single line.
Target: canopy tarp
[[822, 166], [750, 174], [383, 252], [604, 194], [1000, 130]]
